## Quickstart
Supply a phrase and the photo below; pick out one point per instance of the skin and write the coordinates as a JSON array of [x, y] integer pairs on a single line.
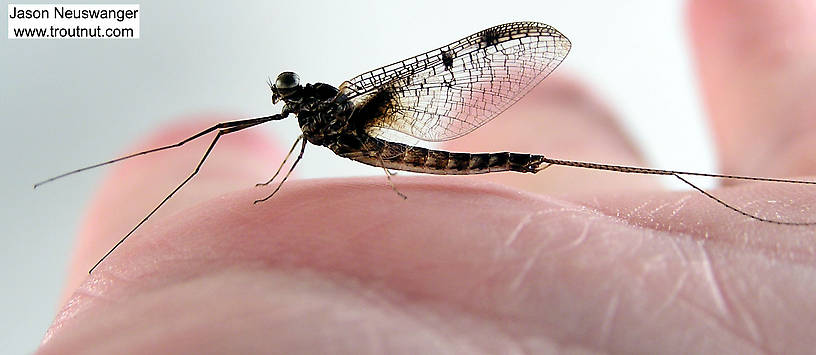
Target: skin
[[611, 264]]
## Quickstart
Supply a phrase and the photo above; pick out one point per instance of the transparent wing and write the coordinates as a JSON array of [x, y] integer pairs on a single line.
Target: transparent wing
[[452, 90]]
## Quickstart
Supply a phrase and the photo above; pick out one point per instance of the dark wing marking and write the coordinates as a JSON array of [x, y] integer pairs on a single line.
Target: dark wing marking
[[452, 90]]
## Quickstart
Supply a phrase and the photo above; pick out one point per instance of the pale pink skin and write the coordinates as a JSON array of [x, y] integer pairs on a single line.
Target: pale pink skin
[[346, 266]]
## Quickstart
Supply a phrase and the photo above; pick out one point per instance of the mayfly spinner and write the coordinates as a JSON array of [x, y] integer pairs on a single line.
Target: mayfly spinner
[[435, 96]]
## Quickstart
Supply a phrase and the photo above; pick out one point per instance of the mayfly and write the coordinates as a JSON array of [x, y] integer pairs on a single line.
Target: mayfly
[[435, 96]]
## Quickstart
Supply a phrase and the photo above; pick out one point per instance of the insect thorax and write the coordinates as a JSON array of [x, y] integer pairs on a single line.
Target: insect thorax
[[322, 112]]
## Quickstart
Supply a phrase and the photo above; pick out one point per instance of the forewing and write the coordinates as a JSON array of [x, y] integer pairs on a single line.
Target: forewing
[[452, 90]]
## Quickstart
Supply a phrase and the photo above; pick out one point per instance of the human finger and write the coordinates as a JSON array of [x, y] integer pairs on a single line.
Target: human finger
[[757, 66]]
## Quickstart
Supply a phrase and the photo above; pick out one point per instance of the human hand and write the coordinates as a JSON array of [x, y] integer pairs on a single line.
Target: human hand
[[344, 265]]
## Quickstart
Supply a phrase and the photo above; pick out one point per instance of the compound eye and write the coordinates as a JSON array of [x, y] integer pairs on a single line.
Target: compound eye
[[287, 80]]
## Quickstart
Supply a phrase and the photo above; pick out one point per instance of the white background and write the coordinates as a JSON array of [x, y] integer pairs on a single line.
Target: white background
[[68, 103]]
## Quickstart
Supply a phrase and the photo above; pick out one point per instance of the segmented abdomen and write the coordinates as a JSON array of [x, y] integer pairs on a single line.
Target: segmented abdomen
[[398, 156]]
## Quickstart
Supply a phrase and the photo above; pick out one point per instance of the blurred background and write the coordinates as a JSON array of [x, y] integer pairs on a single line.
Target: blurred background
[[69, 103]]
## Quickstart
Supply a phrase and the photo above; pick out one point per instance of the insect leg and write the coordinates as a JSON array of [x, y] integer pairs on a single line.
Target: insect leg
[[388, 176], [302, 149], [197, 168], [232, 126], [282, 163]]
